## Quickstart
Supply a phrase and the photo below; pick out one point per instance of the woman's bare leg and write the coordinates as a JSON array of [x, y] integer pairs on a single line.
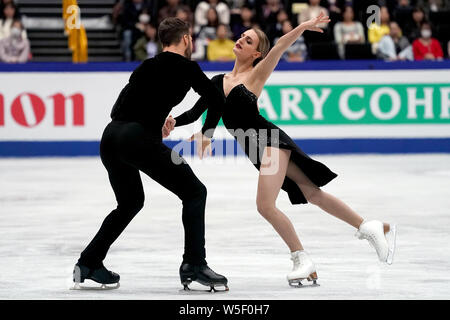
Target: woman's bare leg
[[271, 176], [324, 200]]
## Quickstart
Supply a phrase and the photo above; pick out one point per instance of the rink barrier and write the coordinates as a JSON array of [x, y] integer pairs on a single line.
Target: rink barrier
[[24, 146], [310, 146], [328, 65]]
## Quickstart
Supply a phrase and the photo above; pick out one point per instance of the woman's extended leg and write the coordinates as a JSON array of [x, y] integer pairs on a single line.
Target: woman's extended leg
[[271, 176], [324, 200]]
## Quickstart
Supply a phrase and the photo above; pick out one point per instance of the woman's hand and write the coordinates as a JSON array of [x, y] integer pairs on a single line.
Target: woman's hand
[[169, 125], [312, 25], [203, 144]]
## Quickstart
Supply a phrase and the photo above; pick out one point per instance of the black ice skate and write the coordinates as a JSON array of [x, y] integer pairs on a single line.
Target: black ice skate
[[107, 279], [203, 275]]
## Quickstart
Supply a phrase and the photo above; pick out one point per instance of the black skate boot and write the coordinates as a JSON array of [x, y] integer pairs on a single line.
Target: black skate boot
[[100, 275], [203, 275]]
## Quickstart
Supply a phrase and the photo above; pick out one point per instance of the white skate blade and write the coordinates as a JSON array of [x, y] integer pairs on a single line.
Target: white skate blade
[[297, 283], [391, 236], [94, 286]]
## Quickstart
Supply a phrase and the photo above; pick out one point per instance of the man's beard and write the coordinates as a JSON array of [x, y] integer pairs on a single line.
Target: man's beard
[[188, 51]]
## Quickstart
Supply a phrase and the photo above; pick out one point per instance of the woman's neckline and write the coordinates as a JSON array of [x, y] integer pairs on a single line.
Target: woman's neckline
[[238, 85]]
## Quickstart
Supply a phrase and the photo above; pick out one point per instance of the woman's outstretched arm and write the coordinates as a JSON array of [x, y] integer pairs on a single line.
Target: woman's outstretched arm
[[263, 69]]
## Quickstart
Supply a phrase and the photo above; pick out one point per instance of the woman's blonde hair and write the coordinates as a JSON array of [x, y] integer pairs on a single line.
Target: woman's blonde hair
[[263, 45]]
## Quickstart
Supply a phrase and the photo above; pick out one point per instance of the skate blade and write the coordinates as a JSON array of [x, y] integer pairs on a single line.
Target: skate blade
[[196, 289], [392, 244], [297, 283], [97, 287]]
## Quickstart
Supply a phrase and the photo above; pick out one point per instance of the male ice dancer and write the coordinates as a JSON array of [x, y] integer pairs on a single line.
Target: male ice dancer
[[132, 142]]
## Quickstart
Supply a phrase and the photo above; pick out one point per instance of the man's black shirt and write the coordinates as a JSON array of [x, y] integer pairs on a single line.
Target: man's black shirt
[[159, 84]]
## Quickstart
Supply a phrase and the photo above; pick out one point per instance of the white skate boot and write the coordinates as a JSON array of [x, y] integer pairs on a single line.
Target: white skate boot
[[303, 269], [373, 231]]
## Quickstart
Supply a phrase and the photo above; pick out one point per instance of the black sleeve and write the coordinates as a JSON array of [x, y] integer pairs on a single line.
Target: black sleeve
[[192, 114], [214, 99]]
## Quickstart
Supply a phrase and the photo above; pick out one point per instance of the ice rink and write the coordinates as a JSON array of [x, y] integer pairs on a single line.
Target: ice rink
[[50, 208]]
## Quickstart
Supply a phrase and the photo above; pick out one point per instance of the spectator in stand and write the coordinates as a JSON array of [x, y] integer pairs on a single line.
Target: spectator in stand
[[434, 5], [201, 13], [185, 15], [348, 31], [275, 30], [198, 47], [143, 20], [427, 47], [245, 23], [148, 45], [3, 3], [298, 51], [403, 13], [10, 14], [207, 33], [268, 15], [412, 30], [448, 49], [333, 6], [236, 6], [313, 10], [378, 31], [394, 46], [171, 8], [129, 19], [209, 30], [117, 11], [221, 49], [15, 48]]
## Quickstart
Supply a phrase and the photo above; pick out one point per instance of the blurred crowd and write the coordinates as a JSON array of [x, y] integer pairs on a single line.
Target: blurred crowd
[[399, 30], [14, 45], [359, 29]]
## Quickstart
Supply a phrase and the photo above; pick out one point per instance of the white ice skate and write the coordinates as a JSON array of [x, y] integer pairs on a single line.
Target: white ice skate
[[384, 244], [303, 269]]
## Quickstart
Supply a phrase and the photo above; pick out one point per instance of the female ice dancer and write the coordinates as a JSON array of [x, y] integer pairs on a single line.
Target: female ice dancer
[[282, 164]]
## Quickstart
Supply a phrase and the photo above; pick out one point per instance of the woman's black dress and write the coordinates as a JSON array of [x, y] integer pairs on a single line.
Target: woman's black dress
[[253, 132]]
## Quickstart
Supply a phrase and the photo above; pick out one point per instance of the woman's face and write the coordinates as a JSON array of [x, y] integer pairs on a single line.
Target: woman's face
[[9, 12], [281, 16], [211, 15], [246, 46], [246, 14], [348, 14], [183, 15], [425, 31], [222, 32], [150, 31], [418, 16], [384, 15]]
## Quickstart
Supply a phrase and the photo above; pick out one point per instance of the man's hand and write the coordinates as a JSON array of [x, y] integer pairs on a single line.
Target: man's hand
[[169, 125], [203, 144]]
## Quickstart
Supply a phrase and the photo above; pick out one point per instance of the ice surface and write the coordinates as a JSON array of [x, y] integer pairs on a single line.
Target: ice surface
[[50, 209]]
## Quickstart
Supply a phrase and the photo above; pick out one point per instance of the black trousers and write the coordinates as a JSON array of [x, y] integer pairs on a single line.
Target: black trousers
[[125, 149]]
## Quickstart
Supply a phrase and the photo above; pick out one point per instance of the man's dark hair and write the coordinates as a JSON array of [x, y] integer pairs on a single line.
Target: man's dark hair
[[171, 30]]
